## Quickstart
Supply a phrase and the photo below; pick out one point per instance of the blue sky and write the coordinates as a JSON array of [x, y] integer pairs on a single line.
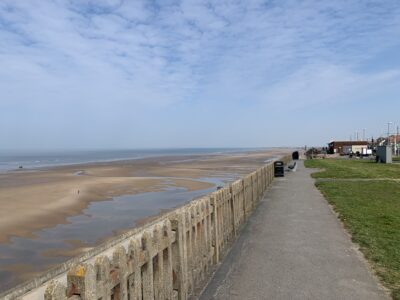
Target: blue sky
[[140, 74]]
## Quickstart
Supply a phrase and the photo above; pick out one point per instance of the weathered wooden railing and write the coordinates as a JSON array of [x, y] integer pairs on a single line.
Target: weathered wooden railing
[[165, 259]]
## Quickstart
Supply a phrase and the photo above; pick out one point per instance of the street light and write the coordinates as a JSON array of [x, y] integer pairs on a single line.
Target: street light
[[388, 133], [395, 141]]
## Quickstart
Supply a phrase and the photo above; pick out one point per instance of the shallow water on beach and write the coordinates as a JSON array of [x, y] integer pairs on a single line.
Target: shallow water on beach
[[23, 258]]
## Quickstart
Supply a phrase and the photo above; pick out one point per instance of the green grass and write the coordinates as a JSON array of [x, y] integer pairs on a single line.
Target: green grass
[[370, 210], [353, 168]]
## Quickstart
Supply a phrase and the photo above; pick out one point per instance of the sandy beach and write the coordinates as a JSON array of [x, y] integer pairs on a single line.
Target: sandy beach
[[35, 199]]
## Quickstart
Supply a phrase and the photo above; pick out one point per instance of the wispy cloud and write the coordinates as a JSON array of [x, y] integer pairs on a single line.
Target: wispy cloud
[[131, 55]]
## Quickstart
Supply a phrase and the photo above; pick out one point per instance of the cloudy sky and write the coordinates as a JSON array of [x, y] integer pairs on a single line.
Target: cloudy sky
[[140, 74]]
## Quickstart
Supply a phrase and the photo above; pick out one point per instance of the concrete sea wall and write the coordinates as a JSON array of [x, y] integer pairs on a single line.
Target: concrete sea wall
[[167, 258]]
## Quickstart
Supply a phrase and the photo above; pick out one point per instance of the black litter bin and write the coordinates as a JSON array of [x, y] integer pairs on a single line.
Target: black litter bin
[[295, 155], [279, 169]]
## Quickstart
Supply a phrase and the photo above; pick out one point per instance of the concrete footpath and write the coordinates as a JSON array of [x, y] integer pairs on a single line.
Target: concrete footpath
[[293, 247]]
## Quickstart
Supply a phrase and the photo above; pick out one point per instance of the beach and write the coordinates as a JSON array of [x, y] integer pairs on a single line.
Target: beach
[[38, 205], [31, 200]]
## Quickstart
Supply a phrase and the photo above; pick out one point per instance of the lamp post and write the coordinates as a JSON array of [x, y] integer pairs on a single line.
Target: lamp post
[[388, 133], [396, 150]]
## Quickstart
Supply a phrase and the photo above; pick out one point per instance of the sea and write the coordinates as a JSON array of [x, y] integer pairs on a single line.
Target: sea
[[33, 159]]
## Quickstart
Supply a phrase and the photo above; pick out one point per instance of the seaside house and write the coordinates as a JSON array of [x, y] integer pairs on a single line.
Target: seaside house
[[347, 147]]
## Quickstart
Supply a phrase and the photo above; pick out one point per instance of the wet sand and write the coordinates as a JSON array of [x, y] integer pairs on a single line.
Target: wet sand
[[33, 200], [44, 221]]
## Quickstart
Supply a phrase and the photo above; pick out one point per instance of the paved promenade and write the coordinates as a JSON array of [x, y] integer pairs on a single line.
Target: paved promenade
[[293, 247]]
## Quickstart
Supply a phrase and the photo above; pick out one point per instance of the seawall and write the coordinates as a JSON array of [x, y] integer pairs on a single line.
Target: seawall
[[167, 258]]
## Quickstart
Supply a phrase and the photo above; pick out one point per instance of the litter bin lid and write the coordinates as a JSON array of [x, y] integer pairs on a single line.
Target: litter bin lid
[[278, 163]]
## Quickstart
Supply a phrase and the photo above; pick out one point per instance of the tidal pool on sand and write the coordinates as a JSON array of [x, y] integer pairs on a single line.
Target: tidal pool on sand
[[22, 258]]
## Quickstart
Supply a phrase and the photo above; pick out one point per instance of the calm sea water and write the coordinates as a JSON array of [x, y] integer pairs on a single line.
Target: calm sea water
[[12, 160]]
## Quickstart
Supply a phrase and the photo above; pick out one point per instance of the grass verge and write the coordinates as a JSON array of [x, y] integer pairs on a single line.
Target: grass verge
[[353, 168], [370, 210]]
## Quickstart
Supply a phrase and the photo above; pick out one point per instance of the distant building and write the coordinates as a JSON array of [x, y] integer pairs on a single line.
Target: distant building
[[347, 147], [394, 139]]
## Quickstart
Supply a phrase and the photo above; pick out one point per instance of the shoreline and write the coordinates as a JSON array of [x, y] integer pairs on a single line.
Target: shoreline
[[33, 222], [249, 182], [58, 192], [223, 151]]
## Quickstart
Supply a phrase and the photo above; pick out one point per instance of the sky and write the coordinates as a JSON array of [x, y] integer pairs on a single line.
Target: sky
[[108, 74]]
